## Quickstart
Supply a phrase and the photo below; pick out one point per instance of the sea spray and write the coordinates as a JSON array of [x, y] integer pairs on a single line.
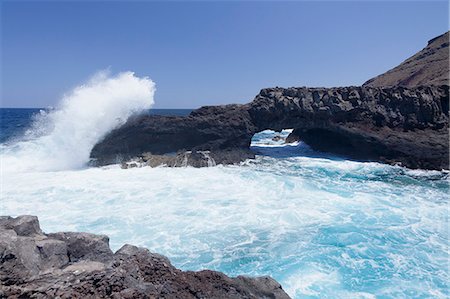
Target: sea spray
[[63, 138]]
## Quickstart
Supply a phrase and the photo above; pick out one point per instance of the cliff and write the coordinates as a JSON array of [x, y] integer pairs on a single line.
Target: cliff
[[81, 265]]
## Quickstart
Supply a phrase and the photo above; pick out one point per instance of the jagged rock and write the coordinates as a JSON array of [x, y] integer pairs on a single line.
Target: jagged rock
[[23, 226], [205, 129], [292, 137], [81, 265], [189, 158], [397, 125], [85, 246], [55, 253], [392, 125]]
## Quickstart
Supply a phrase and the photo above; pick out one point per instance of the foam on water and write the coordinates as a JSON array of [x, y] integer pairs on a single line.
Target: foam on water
[[63, 138], [324, 227]]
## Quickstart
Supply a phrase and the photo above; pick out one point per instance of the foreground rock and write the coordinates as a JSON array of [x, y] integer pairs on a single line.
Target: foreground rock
[[392, 124], [81, 265]]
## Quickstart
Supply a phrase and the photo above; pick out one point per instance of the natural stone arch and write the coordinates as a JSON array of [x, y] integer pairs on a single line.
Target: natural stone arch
[[394, 125]]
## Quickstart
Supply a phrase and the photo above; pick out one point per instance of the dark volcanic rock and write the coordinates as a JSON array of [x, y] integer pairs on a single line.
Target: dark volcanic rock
[[224, 131], [81, 265], [396, 125], [430, 66]]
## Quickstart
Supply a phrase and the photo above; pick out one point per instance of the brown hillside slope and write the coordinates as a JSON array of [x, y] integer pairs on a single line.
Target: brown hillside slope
[[430, 66]]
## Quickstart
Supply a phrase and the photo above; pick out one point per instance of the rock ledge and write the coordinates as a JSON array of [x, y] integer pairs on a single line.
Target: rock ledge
[[81, 265]]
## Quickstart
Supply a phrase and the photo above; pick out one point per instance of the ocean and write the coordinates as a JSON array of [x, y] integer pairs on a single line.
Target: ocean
[[323, 226], [15, 121]]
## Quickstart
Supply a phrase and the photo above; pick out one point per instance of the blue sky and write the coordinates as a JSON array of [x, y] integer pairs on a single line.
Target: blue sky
[[202, 53]]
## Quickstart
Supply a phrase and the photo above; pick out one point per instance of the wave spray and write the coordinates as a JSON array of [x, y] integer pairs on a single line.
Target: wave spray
[[63, 138]]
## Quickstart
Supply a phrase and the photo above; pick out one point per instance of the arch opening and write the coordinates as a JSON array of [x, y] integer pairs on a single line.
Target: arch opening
[[315, 142]]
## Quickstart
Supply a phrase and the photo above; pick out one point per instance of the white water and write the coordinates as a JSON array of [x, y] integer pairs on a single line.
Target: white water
[[63, 138], [323, 227]]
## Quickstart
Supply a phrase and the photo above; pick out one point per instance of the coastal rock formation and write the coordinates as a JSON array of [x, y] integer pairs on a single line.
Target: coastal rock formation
[[407, 126], [427, 67], [392, 124], [222, 133], [81, 265]]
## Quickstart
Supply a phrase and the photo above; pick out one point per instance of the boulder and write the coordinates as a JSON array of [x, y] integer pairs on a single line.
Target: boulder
[[85, 246], [23, 226]]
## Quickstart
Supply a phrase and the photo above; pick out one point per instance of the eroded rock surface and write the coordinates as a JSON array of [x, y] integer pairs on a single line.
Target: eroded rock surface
[[222, 131], [407, 126], [81, 265], [380, 121]]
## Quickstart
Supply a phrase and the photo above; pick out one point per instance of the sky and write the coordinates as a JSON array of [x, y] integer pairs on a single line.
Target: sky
[[207, 53]]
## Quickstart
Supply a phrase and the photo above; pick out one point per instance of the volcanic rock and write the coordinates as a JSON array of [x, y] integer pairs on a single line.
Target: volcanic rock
[[407, 126], [81, 265], [392, 124], [223, 131]]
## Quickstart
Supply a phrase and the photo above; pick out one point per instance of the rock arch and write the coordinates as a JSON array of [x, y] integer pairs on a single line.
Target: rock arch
[[394, 125]]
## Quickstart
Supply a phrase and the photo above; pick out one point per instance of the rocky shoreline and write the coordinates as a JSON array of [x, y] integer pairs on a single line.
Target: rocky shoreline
[[397, 125], [81, 265], [389, 120]]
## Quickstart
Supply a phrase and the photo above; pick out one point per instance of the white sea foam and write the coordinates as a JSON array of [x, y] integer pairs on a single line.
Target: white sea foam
[[296, 143], [63, 138], [324, 227], [311, 282]]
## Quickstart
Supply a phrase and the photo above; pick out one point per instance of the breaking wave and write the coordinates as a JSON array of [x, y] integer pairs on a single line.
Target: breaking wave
[[62, 138]]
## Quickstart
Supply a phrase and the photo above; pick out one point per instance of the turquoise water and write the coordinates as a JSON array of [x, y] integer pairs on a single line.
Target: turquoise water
[[323, 226]]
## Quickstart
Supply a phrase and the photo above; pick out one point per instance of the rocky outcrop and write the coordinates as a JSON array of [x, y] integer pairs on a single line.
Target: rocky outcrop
[[389, 119], [81, 265], [407, 126], [392, 125], [430, 66], [220, 133]]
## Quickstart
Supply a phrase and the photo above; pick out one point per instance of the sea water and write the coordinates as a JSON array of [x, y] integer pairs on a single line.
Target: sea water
[[323, 226]]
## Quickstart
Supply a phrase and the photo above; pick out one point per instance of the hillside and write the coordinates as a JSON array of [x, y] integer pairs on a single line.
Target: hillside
[[430, 66]]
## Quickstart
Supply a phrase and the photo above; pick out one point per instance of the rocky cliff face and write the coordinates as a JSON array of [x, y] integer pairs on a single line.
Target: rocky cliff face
[[81, 265], [430, 66], [392, 125], [400, 117], [407, 126]]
